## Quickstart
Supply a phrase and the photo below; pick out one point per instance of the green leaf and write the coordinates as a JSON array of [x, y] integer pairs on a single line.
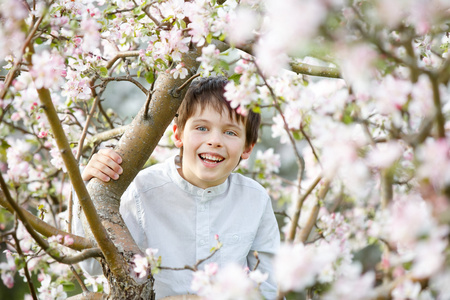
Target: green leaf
[[68, 286], [183, 24], [235, 77], [39, 41], [209, 38], [150, 77], [103, 72]]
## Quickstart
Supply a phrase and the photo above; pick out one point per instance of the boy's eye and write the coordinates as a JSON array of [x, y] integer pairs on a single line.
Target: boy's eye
[[201, 128], [228, 132]]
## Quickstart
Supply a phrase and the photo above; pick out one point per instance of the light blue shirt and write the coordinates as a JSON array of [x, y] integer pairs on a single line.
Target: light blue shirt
[[165, 212]]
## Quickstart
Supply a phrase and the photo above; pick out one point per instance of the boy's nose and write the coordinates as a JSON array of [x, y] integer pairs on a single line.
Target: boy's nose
[[215, 140]]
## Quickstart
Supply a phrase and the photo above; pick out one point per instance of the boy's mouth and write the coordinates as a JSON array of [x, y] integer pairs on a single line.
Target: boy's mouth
[[211, 158]]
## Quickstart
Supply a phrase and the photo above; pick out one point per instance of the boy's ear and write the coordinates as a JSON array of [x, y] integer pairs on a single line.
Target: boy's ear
[[177, 136], [247, 152]]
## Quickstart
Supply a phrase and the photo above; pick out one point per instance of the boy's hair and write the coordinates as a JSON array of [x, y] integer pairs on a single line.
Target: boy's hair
[[209, 91]]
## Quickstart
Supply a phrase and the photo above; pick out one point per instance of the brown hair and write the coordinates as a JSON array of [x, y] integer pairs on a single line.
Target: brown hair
[[209, 91]]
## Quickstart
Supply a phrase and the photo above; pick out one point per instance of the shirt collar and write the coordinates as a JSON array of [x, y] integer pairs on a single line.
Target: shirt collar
[[190, 188]]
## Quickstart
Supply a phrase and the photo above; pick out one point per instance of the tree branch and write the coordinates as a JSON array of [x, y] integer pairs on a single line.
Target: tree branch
[[44, 228], [298, 209], [306, 230], [306, 69]]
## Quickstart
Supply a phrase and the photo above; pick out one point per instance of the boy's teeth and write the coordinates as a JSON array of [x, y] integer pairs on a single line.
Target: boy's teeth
[[210, 157]]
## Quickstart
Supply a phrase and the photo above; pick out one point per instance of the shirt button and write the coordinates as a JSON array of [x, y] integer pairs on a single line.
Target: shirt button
[[199, 193], [235, 238], [202, 242]]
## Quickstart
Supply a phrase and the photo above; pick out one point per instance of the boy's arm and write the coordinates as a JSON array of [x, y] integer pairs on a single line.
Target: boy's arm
[[266, 243]]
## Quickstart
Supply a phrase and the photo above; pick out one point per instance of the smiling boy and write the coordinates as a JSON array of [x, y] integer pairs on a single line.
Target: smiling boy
[[180, 205]]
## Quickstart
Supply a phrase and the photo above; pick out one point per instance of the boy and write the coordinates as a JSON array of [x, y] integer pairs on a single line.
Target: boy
[[180, 205]]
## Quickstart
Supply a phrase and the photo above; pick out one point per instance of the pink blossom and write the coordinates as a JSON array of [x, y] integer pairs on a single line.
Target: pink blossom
[[68, 240], [8, 279], [91, 35], [179, 71], [296, 266], [352, 285], [406, 290], [243, 94], [46, 69], [173, 8], [43, 134], [241, 28], [142, 264], [210, 56], [268, 161], [434, 157], [384, 155], [229, 283]]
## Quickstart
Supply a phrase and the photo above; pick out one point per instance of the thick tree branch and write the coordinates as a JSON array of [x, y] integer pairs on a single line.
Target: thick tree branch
[[39, 240], [121, 55], [44, 228], [104, 136], [306, 69]]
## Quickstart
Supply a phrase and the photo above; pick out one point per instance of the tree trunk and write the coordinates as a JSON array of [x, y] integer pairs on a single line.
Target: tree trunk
[[135, 147]]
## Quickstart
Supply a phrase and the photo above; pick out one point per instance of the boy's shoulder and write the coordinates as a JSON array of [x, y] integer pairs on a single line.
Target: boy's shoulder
[[153, 176], [246, 183]]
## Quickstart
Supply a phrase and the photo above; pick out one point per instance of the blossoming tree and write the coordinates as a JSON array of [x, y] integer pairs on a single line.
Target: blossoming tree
[[357, 89]]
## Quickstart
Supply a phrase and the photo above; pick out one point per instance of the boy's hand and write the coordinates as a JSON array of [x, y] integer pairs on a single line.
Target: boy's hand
[[103, 165]]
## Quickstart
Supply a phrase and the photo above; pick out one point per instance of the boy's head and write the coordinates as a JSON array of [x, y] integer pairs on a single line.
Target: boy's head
[[209, 92], [212, 136]]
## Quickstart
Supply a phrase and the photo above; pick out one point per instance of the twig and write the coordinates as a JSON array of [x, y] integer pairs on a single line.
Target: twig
[[25, 267], [78, 278], [310, 144], [193, 268], [255, 254], [440, 120], [178, 90], [149, 99]]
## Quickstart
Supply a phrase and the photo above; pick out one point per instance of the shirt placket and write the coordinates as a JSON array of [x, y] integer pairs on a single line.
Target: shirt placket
[[202, 226]]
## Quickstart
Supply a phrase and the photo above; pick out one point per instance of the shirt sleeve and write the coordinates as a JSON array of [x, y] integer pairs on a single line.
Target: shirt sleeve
[[266, 243]]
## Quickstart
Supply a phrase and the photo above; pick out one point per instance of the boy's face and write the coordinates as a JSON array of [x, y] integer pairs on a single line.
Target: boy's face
[[212, 147]]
